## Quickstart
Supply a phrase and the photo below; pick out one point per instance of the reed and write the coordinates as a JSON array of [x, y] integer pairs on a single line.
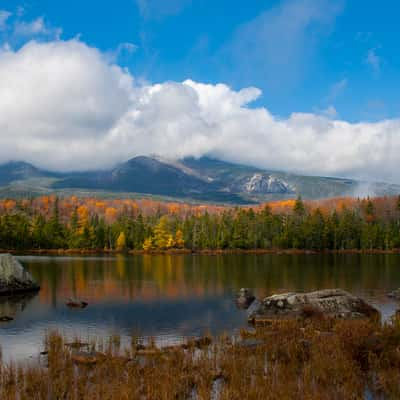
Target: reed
[[310, 359]]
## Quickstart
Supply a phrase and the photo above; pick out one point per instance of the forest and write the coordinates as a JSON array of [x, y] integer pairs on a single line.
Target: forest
[[50, 222]]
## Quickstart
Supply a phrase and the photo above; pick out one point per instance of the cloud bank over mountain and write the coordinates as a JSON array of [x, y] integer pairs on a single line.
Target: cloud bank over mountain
[[66, 106]]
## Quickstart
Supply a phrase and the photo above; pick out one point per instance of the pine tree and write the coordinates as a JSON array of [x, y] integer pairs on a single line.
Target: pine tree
[[299, 208]]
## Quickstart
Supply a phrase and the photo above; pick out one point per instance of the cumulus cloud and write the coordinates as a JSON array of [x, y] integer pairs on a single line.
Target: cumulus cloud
[[66, 106]]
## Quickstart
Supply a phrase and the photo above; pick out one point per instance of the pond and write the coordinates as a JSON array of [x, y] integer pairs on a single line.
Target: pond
[[171, 297]]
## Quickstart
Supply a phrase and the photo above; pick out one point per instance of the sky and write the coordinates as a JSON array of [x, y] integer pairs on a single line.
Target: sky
[[308, 86]]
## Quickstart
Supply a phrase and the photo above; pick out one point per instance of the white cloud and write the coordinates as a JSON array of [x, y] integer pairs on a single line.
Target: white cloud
[[330, 112], [122, 49], [64, 105], [36, 27], [336, 89], [4, 16]]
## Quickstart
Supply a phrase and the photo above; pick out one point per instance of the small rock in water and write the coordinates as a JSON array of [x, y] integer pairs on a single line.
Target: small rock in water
[[74, 303], [244, 298], [87, 358]]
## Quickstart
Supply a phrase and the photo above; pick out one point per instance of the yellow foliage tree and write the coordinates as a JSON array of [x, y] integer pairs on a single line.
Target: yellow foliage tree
[[179, 241], [83, 218], [148, 244], [170, 242], [121, 242], [162, 234]]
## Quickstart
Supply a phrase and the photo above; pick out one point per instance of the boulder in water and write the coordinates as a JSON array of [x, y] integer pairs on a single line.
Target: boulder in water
[[395, 294], [335, 303], [14, 279], [244, 298]]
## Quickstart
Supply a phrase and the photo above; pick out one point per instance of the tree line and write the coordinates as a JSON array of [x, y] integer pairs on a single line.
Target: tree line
[[365, 225]]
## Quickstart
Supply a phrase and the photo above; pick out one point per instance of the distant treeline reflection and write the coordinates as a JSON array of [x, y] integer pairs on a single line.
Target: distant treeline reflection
[[151, 277]]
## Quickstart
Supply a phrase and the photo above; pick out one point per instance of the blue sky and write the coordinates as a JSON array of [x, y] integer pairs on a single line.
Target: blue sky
[[343, 55], [308, 86]]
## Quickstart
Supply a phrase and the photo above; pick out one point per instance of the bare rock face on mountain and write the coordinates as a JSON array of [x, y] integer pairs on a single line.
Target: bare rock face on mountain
[[263, 184], [14, 279], [335, 303]]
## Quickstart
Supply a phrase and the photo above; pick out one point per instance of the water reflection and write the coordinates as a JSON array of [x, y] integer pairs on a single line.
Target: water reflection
[[172, 296], [151, 277], [11, 306]]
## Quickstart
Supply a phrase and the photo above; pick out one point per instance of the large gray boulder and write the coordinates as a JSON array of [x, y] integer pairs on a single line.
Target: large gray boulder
[[14, 279], [335, 303]]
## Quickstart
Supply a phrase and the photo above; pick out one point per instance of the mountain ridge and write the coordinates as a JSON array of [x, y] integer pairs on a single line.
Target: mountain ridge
[[193, 179]]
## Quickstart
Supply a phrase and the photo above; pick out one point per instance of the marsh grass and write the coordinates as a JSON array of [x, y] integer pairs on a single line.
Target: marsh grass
[[312, 359]]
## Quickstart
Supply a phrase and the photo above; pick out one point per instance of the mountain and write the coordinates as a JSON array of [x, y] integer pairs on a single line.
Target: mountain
[[20, 171], [202, 179]]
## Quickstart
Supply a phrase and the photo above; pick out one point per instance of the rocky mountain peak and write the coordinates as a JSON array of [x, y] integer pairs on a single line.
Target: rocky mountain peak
[[262, 183]]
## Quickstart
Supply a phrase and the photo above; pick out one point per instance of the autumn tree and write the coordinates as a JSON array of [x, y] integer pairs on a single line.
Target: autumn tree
[[148, 244], [121, 242], [179, 241], [162, 236]]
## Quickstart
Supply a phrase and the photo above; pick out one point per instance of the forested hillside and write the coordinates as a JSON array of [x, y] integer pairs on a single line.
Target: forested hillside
[[72, 223]]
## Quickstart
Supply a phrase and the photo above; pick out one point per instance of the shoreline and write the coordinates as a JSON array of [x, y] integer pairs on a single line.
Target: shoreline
[[211, 252]]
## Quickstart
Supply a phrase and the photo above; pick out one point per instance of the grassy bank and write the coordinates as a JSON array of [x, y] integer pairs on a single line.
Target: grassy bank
[[312, 359]]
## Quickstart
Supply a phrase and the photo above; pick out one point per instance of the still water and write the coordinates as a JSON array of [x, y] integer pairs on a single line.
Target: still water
[[169, 297]]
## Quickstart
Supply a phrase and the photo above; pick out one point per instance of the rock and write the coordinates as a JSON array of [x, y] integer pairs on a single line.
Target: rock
[[199, 343], [88, 358], [251, 343], [395, 294], [14, 278], [74, 303], [76, 345], [254, 307], [6, 318], [244, 298], [334, 303], [264, 184]]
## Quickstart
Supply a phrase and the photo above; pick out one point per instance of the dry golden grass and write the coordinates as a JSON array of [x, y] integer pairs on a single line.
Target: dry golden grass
[[314, 359]]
